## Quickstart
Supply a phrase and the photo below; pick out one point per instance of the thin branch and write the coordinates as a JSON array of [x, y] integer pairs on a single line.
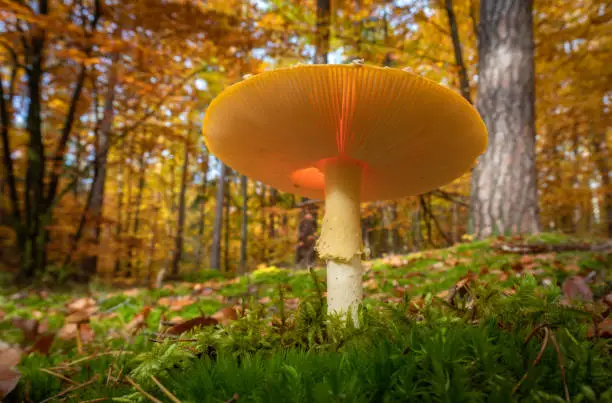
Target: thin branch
[[166, 391], [72, 388], [141, 390], [561, 365], [538, 358]]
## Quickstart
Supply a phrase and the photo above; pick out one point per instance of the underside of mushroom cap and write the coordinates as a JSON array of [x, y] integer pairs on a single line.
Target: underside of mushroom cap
[[410, 134]]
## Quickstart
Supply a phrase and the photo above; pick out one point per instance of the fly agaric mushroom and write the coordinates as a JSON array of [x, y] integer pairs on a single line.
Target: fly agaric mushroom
[[349, 134]]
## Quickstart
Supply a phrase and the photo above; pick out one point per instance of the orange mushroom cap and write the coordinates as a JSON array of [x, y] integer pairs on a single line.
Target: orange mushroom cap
[[410, 134]]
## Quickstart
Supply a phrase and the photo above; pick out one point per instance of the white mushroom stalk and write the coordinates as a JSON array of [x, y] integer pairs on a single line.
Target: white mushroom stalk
[[340, 241]]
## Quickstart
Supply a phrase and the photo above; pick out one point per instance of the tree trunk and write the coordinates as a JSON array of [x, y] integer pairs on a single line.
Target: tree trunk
[[416, 229], [244, 229], [180, 225], [141, 186], [201, 226], [215, 254], [464, 83], [90, 263], [504, 195], [226, 230], [322, 31], [262, 222], [603, 158]]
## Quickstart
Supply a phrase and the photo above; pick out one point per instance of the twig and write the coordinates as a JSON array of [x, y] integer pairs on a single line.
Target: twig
[[108, 375], [141, 390], [72, 388], [166, 391], [100, 399], [561, 366], [48, 371], [89, 357], [537, 360], [534, 331]]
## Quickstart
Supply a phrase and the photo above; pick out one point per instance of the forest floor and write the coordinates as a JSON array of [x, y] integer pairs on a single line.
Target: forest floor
[[495, 320]]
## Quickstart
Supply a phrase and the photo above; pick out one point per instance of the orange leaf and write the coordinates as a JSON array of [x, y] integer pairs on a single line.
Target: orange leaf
[[192, 324]]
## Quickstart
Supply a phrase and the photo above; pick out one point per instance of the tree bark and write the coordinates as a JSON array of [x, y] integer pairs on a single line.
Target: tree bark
[[504, 196], [201, 226], [244, 229], [180, 225], [90, 263], [603, 158], [322, 31], [226, 229], [215, 254]]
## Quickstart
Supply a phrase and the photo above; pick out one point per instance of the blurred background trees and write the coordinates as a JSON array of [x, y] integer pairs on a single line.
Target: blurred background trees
[[104, 169]]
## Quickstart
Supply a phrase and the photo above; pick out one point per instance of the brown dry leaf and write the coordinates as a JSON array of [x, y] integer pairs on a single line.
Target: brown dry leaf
[[292, 303], [413, 274], [2, 314], [264, 300], [400, 291], [574, 287], [132, 292], [571, 268], [29, 327], [139, 321], [416, 303], [605, 329], [608, 300], [191, 324], [371, 284], [225, 315], [176, 304], [9, 378], [10, 357], [43, 344]]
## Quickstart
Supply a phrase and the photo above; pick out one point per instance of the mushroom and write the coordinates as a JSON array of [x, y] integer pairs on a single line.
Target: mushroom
[[348, 134]]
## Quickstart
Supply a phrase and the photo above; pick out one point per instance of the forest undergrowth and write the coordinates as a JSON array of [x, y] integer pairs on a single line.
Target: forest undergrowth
[[498, 320]]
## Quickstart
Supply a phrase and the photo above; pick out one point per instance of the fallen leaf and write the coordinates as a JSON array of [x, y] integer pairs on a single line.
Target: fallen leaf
[[43, 344], [605, 329], [29, 327], [176, 304], [371, 284], [2, 314], [264, 300], [132, 292], [9, 377], [139, 321], [225, 315], [191, 324], [10, 357], [608, 300], [574, 287]]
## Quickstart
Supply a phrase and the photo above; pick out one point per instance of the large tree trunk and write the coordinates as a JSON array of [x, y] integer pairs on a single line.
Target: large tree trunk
[[180, 225], [504, 195], [244, 229], [215, 254]]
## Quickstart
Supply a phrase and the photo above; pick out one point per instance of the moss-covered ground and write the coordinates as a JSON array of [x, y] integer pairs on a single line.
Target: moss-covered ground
[[466, 324]]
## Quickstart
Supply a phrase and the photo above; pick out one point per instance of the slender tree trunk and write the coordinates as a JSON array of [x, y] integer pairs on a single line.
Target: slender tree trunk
[[8, 166], [201, 226], [464, 83], [244, 229], [215, 254], [141, 186], [180, 225], [504, 195], [603, 159], [455, 223], [417, 239], [154, 229], [322, 31], [90, 263], [34, 258], [226, 230], [262, 222]]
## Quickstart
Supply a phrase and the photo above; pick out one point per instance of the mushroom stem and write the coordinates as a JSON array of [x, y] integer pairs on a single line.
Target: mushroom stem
[[340, 241]]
